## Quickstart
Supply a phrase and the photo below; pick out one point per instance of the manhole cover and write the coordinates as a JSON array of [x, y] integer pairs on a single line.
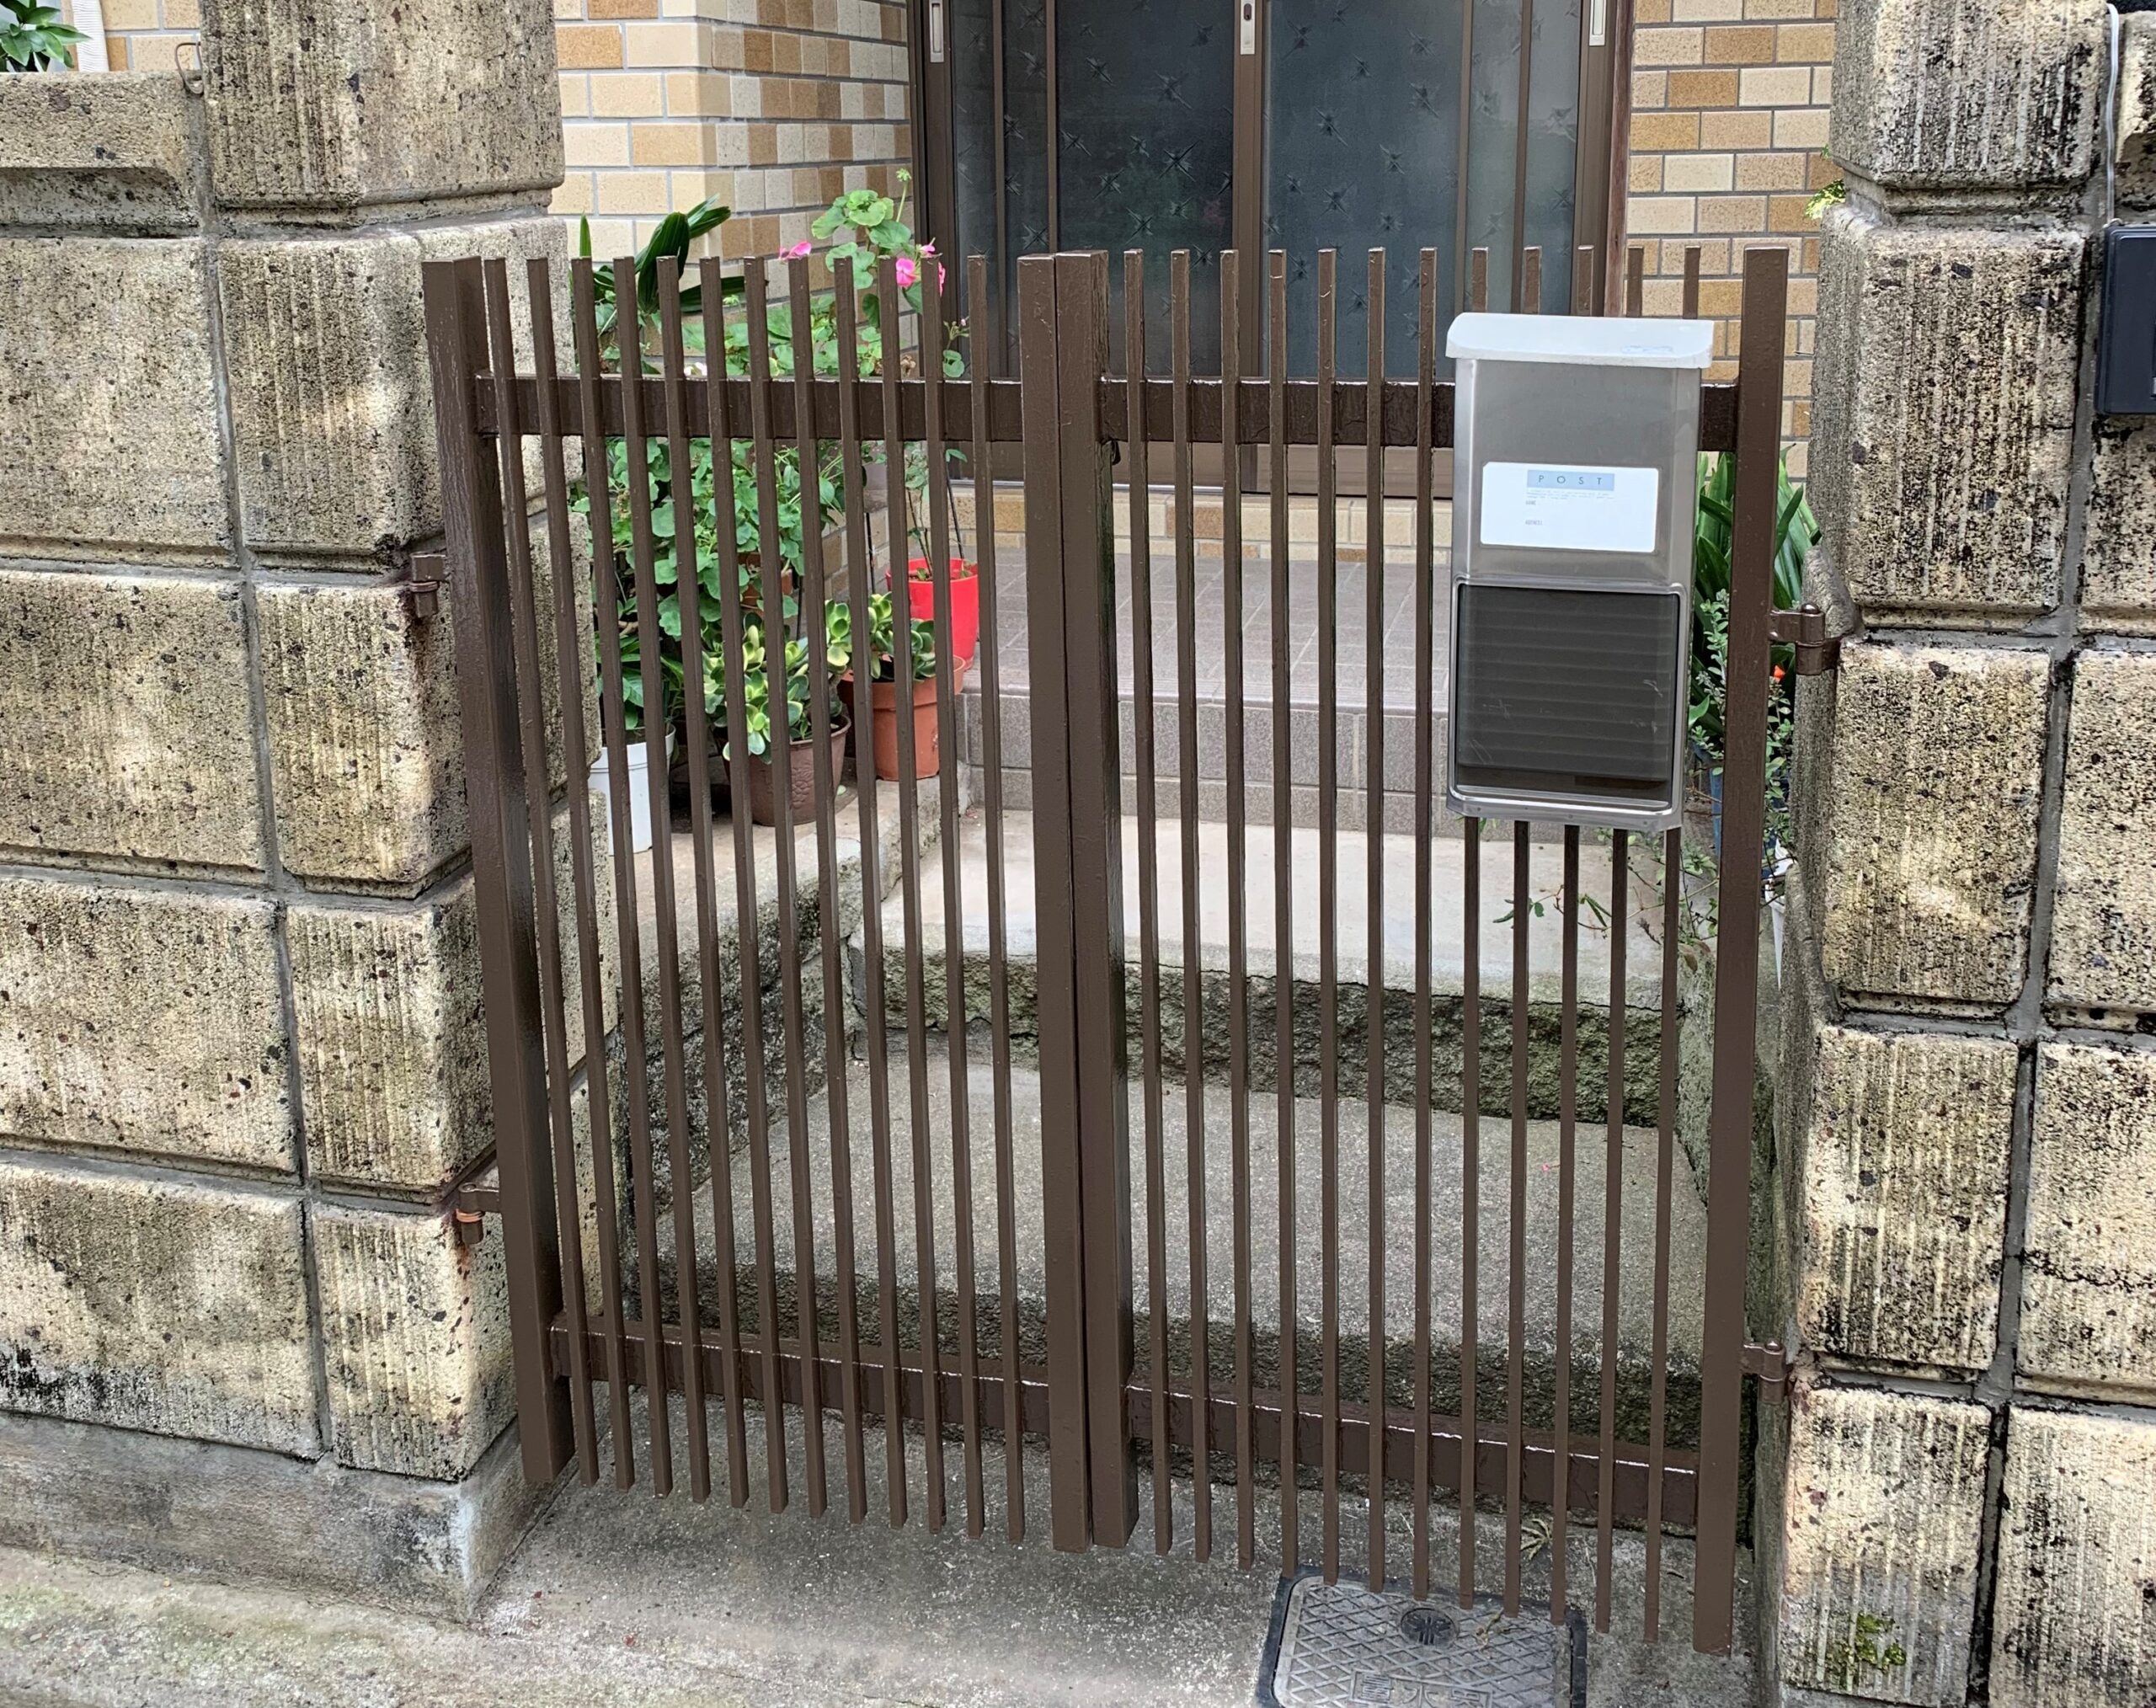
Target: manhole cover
[[1343, 1647]]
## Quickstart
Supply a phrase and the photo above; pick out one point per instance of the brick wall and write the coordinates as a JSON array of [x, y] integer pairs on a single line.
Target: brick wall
[[1729, 120], [143, 35], [772, 106]]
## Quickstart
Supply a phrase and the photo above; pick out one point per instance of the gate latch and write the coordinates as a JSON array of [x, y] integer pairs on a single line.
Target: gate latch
[[1771, 1364], [1804, 629], [475, 1198]]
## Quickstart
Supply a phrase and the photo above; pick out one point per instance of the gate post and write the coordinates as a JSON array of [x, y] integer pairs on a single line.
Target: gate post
[[1737, 966], [501, 857], [1078, 857]]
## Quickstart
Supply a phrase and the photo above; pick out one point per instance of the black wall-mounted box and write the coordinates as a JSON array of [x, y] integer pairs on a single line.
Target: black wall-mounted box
[[2126, 334]]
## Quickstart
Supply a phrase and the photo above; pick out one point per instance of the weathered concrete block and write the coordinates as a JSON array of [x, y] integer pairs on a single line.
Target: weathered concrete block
[[2104, 930], [107, 397], [1882, 1516], [1903, 1170], [332, 414], [2089, 1274], [415, 1328], [1927, 837], [142, 1020], [2118, 574], [2135, 152], [364, 744], [125, 730], [112, 153], [392, 1027], [2074, 1615], [1944, 425], [155, 1305], [324, 107], [1968, 94]]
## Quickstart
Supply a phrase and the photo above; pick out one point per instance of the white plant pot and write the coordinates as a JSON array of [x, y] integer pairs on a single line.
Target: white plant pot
[[639, 787]]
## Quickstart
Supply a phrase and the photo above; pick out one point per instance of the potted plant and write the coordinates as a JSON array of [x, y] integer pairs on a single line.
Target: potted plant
[[795, 684], [33, 38], [889, 699]]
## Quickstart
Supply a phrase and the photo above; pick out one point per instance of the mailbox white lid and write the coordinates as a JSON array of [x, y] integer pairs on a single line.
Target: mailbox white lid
[[1582, 340]]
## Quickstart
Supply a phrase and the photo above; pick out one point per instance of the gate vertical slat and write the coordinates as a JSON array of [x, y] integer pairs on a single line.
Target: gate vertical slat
[[1374, 1018], [1283, 987], [719, 1131], [877, 1039], [1095, 899], [1056, 1020], [1613, 1223], [539, 821], [999, 970], [1328, 904], [823, 772], [1426, 329], [898, 531], [1144, 735], [1516, 1248], [1568, 1096], [688, 1286], [1736, 963], [1193, 983], [571, 663], [643, 1152], [501, 858], [1470, 1104]]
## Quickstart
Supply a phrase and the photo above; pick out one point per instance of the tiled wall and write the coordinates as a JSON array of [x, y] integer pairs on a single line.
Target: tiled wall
[[1729, 120], [771, 106], [143, 35]]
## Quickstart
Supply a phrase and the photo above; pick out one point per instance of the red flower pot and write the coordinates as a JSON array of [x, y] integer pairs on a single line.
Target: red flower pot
[[965, 604]]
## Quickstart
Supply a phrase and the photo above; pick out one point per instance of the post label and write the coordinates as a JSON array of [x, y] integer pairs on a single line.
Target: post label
[[1569, 507]]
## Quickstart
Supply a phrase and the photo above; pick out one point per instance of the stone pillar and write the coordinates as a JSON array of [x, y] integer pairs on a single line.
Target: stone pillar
[[1959, 1504], [242, 1062]]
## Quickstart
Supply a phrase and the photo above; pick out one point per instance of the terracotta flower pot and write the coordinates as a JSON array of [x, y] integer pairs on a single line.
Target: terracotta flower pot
[[965, 603], [801, 765], [883, 699]]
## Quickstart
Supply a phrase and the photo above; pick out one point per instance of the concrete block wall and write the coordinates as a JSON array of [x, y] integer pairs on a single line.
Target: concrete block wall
[[774, 107], [1955, 1508], [241, 1059]]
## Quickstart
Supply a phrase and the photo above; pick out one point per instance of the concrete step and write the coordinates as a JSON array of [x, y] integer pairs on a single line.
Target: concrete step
[[1396, 968], [932, 1116]]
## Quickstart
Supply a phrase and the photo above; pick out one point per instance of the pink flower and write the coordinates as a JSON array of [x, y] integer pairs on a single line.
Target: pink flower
[[800, 250], [906, 270]]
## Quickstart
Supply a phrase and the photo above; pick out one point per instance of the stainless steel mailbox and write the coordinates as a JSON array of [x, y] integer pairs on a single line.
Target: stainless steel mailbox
[[1576, 447]]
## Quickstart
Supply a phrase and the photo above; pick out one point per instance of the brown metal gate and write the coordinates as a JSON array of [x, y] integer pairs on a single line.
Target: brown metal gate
[[707, 1202]]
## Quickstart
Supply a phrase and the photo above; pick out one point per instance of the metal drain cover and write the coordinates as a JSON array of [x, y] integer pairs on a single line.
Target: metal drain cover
[[1334, 1646]]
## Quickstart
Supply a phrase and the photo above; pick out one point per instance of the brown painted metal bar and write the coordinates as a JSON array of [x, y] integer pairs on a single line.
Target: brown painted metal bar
[[642, 1159], [732, 630], [1145, 725], [1478, 291], [688, 1302], [1234, 712], [572, 663], [1568, 1027], [1523, 303], [1691, 312], [1328, 892], [1193, 983], [1491, 1454], [1070, 1460], [1256, 405], [1613, 1205], [1426, 593], [876, 1041], [1737, 966], [898, 529], [823, 771], [718, 1130], [607, 601], [1636, 286], [999, 969], [948, 669], [1461, 148], [1283, 818], [1516, 1264], [1673, 903], [1471, 1187], [1373, 653], [501, 857], [524, 626]]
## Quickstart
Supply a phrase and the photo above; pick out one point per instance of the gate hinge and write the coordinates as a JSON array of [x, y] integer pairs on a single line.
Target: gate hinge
[[1771, 1364], [471, 1200], [1804, 629], [422, 588]]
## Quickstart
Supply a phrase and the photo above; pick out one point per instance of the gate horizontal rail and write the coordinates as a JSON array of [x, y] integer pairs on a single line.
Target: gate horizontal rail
[[714, 1216]]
